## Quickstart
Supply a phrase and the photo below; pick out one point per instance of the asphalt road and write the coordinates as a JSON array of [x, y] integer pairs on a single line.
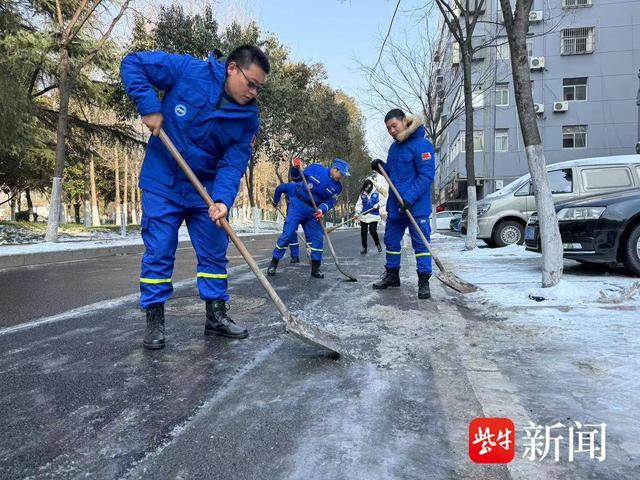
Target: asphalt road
[[40, 291], [81, 398]]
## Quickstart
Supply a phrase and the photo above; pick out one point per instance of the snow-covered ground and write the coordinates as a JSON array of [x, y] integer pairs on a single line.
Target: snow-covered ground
[[511, 277], [20, 241]]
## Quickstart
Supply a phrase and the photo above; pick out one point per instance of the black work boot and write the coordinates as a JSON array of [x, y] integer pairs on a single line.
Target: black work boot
[[219, 323], [423, 286], [363, 251], [379, 247], [154, 333], [391, 278], [315, 269], [295, 260], [271, 269]]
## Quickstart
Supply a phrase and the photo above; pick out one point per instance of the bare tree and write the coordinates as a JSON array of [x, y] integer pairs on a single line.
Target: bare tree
[[71, 23], [461, 18], [517, 25]]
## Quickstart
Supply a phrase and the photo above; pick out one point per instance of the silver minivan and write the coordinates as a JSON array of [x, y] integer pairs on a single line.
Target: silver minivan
[[503, 214]]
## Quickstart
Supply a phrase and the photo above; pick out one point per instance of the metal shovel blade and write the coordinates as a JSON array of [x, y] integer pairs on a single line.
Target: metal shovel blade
[[455, 282], [313, 335]]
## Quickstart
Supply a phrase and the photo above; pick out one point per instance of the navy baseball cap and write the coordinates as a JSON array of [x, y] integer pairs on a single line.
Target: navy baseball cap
[[342, 166]]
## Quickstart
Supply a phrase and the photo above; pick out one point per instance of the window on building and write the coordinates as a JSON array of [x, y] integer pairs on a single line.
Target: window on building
[[458, 147], [606, 177], [561, 181], [503, 48], [577, 41], [502, 94], [576, 3], [478, 141], [477, 97], [574, 136], [502, 140], [530, 48], [574, 89]]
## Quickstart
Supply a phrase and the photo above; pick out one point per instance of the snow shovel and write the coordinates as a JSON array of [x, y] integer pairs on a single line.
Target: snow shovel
[[448, 278], [324, 229], [335, 227], [301, 329], [300, 237]]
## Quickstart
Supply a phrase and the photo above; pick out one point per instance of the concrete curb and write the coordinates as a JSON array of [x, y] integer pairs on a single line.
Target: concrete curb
[[42, 258]]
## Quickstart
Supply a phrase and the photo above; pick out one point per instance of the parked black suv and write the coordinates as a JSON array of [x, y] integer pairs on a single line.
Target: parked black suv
[[597, 229]]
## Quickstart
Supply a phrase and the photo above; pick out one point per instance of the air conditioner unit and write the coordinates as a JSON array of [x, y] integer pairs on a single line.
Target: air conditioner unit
[[560, 106], [538, 107], [536, 63], [535, 16]]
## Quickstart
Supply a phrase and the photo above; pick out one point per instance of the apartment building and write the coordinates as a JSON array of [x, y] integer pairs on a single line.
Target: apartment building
[[584, 57]]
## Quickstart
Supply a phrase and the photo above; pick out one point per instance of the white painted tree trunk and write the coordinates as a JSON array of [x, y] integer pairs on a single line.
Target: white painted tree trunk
[[552, 252], [95, 213], [256, 219], [471, 238]]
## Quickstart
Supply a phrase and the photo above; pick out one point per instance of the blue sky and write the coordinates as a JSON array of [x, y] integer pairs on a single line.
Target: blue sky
[[335, 33]]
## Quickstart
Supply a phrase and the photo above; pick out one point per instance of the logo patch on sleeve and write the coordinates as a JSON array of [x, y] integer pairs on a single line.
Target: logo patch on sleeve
[[426, 156]]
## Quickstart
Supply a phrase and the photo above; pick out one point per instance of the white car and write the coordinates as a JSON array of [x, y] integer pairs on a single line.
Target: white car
[[443, 219]]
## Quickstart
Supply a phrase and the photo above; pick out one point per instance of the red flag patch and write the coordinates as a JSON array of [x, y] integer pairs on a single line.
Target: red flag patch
[[426, 156]]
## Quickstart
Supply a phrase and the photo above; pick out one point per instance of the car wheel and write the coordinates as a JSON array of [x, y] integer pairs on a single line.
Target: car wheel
[[631, 252], [508, 233]]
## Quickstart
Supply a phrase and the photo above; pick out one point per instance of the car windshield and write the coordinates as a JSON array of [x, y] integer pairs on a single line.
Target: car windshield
[[511, 187]]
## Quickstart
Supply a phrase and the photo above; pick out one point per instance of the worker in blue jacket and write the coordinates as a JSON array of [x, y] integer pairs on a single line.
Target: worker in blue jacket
[[325, 186], [288, 189], [411, 167], [209, 110]]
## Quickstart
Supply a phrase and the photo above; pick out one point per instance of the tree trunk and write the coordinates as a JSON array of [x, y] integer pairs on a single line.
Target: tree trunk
[[12, 209], [76, 211], [27, 194], [64, 90], [551, 241], [95, 213], [134, 208], [125, 190], [87, 193], [250, 182], [472, 214], [116, 168]]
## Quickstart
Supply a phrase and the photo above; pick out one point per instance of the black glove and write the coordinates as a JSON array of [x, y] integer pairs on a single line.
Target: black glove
[[377, 165], [404, 206]]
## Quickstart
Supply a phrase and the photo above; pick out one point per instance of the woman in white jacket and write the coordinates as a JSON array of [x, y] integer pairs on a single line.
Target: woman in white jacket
[[369, 201]]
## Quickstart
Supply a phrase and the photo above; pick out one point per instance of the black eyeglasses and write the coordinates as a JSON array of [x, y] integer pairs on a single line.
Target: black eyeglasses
[[250, 83]]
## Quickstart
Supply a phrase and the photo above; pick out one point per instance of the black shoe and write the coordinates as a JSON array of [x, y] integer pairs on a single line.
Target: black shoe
[[363, 251], [219, 323], [379, 247], [295, 260], [423, 286], [154, 333], [271, 269], [391, 278], [315, 269]]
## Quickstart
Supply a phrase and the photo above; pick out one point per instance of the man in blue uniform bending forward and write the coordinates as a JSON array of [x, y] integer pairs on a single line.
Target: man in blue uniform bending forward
[[209, 110], [325, 186]]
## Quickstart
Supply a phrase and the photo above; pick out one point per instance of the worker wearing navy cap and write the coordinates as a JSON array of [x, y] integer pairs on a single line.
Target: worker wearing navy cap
[[325, 186]]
